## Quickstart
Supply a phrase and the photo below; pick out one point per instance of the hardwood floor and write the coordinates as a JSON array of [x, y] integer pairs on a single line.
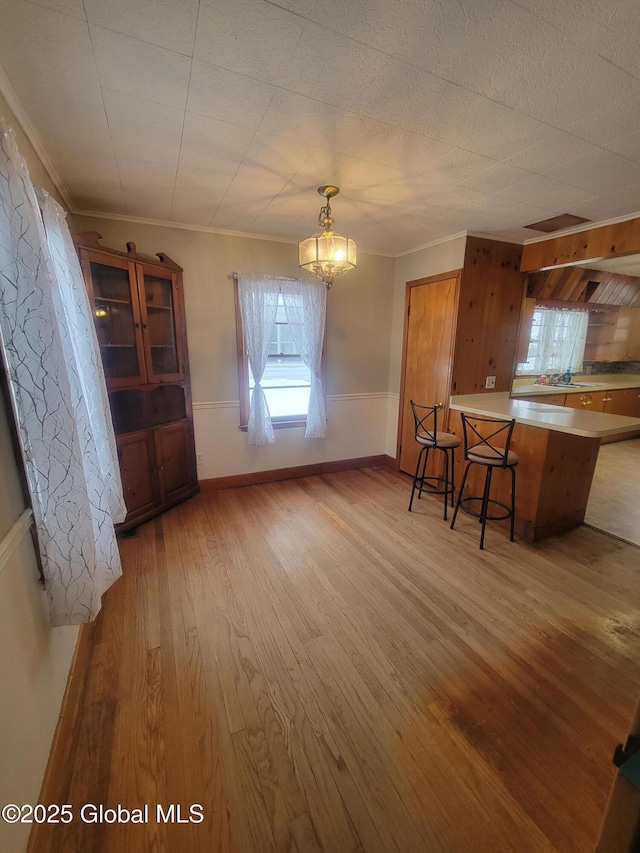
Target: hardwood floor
[[324, 671], [614, 501]]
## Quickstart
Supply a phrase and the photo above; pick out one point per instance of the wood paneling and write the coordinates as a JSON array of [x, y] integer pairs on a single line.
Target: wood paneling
[[577, 285], [490, 304], [323, 670], [553, 478], [622, 238]]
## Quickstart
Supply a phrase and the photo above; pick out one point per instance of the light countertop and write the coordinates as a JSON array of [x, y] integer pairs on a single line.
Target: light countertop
[[525, 386], [545, 416]]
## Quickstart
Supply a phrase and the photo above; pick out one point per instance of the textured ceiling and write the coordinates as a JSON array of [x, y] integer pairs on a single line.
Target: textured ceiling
[[433, 116]]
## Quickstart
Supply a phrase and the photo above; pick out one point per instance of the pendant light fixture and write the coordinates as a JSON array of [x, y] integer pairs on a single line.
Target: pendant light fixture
[[327, 254]]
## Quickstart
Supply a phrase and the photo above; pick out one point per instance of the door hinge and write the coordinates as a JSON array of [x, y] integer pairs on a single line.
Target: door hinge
[[409, 310]]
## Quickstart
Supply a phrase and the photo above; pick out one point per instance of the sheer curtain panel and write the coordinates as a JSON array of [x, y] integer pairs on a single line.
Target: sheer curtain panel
[[305, 304], [59, 397], [258, 300]]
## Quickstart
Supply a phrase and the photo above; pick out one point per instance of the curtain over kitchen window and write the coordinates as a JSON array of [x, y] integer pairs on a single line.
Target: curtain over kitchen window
[[557, 341], [59, 396]]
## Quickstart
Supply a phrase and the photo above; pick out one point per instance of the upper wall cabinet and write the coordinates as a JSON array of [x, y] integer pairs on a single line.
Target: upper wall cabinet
[[137, 316]]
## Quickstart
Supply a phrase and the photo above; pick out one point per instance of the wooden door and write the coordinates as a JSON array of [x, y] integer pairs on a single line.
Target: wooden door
[[175, 469], [620, 831], [137, 469], [428, 347], [113, 293]]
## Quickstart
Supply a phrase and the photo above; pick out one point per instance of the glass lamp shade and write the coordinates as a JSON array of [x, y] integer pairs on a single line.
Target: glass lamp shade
[[327, 255]]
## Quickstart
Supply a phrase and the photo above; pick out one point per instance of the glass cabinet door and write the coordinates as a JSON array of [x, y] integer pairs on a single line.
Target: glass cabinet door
[[117, 320], [162, 342]]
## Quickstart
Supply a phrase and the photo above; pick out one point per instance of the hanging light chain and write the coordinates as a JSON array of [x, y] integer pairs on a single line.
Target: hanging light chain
[[324, 219]]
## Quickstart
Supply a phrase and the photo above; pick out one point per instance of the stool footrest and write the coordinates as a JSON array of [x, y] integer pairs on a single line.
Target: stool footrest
[[477, 514], [430, 485]]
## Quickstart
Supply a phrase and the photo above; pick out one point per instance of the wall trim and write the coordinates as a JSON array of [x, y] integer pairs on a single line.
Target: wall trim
[[217, 404], [65, 740], [431, 243], [371, 395], [255, 478], [15, 104], [14, 536], [331, 398]]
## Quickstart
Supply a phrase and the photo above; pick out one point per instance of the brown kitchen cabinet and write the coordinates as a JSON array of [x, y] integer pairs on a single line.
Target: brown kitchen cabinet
[[591, 401], [624, 401], [138, 310], [550, 399]]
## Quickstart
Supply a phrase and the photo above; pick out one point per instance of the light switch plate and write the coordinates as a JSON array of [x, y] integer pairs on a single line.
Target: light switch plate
[[490, 382]]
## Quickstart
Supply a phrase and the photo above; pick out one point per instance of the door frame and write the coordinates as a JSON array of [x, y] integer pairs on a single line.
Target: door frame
[[431, 279]]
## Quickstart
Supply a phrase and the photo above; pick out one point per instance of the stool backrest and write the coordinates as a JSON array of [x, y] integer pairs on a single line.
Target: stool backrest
[[425, 419], [489, 437]]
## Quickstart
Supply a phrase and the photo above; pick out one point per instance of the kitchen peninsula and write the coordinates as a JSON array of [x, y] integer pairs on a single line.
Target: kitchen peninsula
[[558, 449]]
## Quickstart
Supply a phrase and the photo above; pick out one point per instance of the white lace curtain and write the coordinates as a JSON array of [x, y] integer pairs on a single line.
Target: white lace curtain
[[305, 306], [558, 339], [59, 396]]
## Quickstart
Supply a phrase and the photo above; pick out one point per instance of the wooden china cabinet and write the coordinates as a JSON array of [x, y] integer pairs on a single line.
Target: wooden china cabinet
[[138, 309]]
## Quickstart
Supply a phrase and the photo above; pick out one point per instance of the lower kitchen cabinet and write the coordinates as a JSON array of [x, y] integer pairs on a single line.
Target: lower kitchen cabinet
[[157, 470], [175, 461], [136, 455], [624, 401]]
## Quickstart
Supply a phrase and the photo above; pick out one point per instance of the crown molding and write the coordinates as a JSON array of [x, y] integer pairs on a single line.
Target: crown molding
[[431, 244], [16, 107]]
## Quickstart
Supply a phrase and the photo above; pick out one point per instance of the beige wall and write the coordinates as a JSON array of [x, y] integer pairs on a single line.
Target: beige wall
[[359, 316], [34, 658]]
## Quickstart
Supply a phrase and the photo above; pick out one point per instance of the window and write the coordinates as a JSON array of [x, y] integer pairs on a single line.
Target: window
[[285, 319], [286, 380], [557, 341]]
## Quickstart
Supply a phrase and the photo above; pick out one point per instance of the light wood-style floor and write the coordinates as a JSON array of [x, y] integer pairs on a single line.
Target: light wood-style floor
[[324, 671], [614, 501]]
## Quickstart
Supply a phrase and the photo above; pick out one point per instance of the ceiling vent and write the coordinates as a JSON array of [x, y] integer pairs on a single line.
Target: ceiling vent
[[557, 223]]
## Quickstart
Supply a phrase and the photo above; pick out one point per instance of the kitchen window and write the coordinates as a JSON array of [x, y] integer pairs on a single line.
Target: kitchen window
[[557, 342]]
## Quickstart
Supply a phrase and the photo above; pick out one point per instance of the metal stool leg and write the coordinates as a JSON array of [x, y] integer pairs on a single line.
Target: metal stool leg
[[460, 493], [513, 502], [415, 476], [446, 481], [485, 505], [424, 471], [453, 474]]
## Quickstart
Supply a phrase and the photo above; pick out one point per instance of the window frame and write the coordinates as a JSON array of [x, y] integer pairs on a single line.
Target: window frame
[[244, 392]]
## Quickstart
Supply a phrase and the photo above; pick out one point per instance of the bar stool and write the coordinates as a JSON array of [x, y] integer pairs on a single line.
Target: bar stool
[[425, 420], [480, 448]]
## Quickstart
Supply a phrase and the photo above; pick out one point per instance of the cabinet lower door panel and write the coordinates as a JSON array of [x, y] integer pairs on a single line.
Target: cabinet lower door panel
[[175, 469], [137, 464]]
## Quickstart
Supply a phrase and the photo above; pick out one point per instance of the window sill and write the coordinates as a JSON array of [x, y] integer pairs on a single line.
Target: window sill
[[282, 423]]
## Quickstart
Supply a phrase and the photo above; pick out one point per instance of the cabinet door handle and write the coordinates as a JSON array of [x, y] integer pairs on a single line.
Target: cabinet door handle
[[138, 325]]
